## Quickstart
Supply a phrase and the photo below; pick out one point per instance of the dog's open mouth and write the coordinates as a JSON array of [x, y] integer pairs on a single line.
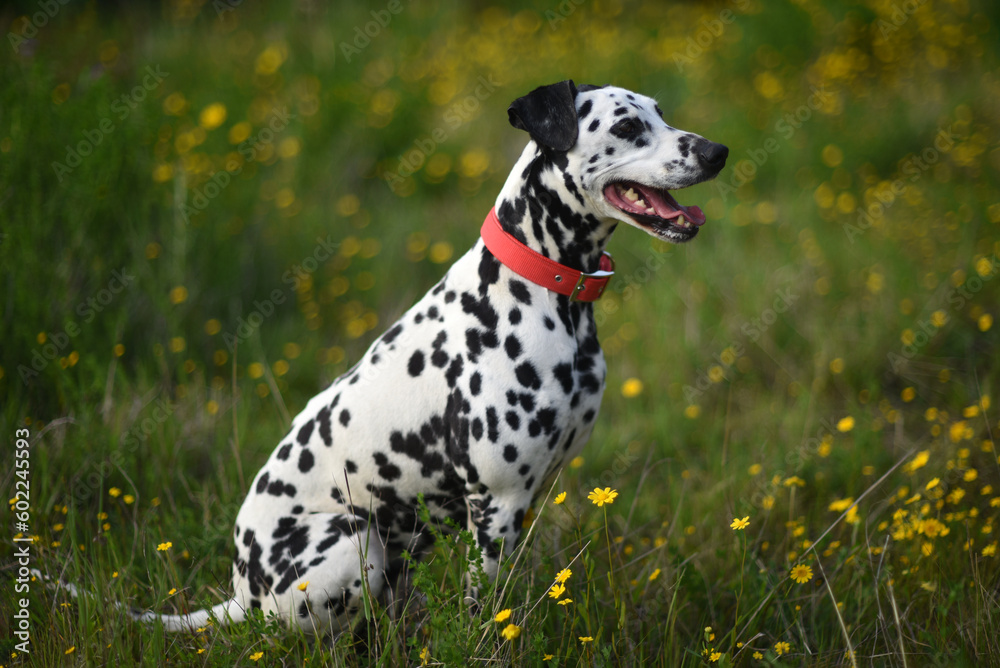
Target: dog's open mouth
[[657, 209]]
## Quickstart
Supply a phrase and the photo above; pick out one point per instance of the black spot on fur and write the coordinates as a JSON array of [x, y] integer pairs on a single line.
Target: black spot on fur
[[513, 420], [439, 358], [416, 364], [564, 374], [476, 384], [325, 432], [519, 289], [512, 346], [584, 109], [492, 424], [350, 466], [278, 488], [391, 335], [284, 451], [527, 376], [514, 316], [594, 125], [306, 461], [305, 432], [345, 417], [489, 270], [454, 371], [262, 483], [510, 453]]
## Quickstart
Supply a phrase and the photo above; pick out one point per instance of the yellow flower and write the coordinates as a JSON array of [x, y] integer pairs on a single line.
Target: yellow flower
[[655, 574], [631, 388], [565, 601], [919, 461], [511, 631], [990, 550], [114, 492], [256, 656], [758, 656], [601, 496], [172, 591], [782, 648], [740, 524], [715, 656], [586, 639], [70, 650], [425, 656], [303, 585], [801, 573], [547, 657], [212, 116], [845, 424], [128, 499], [163, 547], [841, 505], [563, 575], [557, 590], [502, 616], [932, 484], [560, 497]]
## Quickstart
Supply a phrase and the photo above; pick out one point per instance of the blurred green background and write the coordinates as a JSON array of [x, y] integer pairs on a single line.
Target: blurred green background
[[209, 210]]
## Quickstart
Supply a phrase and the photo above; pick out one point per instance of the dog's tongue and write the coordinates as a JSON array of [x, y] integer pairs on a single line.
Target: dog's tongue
[[667, 207]]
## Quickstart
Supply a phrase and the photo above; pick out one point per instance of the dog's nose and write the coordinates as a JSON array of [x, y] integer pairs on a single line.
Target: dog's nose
[[713, 155]]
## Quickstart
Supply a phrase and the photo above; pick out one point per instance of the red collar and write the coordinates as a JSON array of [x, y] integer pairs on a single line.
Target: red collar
[[537, 268]]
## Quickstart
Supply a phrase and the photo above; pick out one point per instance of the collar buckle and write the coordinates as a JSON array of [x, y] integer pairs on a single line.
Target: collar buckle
[[601, 278]]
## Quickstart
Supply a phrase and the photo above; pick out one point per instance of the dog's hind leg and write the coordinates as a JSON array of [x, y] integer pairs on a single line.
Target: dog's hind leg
[[323, 565]]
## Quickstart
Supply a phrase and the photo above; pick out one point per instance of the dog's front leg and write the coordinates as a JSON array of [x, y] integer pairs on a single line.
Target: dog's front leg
[[495, 522]]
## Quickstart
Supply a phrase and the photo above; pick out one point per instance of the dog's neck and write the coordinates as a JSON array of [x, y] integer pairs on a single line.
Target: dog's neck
[[543, 207]]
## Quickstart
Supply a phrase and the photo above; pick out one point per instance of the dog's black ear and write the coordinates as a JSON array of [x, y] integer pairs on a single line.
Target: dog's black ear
[[548, 114]]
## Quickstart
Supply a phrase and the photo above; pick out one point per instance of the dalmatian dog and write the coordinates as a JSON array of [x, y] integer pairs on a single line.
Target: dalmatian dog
[[484, 389]]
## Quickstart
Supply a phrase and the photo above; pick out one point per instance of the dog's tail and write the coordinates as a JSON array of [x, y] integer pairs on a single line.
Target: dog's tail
[[230, 612]]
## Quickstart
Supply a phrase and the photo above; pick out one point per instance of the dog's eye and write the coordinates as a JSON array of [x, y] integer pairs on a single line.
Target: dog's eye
[[626, 128]]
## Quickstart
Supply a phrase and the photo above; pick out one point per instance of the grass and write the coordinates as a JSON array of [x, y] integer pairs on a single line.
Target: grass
[[821, 360]]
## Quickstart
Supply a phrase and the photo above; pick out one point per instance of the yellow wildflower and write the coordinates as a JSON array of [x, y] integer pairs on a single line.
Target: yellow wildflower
[[801, 573], [601, 496]]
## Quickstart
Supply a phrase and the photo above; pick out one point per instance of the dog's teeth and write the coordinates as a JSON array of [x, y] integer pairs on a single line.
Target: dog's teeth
[[640, 202], [630, 195]]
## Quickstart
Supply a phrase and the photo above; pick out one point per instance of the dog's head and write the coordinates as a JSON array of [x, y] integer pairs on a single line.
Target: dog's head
[[622, 154]]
